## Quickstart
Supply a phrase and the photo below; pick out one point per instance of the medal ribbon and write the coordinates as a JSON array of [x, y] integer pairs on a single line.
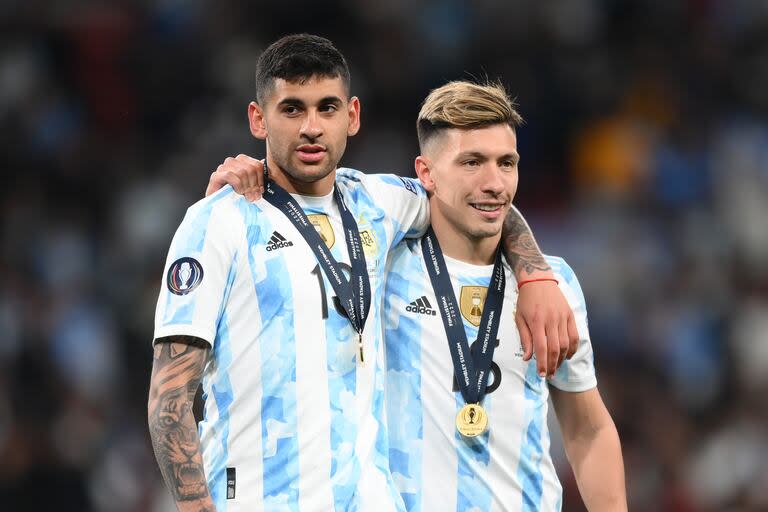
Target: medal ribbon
[[471, 370], [354, 294]]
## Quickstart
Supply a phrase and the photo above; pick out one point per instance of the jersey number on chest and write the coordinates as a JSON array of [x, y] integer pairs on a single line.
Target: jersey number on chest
[[494, 376], [318, 272]]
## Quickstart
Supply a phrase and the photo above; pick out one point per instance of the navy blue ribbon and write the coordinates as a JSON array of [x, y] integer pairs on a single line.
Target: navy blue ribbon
[[355, 293], [471, 370]]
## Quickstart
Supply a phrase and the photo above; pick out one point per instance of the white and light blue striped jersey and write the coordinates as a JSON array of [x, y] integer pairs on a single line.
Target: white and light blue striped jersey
[[290, 416], [509, 467]]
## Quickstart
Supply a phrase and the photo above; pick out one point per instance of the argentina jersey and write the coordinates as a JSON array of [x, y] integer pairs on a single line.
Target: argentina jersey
[[508, 468], [291, 421]]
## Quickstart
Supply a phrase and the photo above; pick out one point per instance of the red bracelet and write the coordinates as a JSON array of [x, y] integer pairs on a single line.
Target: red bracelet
[[521, 283]]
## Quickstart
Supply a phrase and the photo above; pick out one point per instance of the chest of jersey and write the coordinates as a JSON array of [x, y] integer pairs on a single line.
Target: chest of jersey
[[437, 467], [280, 248], [508, 371]]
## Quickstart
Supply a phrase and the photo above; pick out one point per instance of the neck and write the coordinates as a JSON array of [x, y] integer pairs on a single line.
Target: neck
[[460, 246], [321, 187]]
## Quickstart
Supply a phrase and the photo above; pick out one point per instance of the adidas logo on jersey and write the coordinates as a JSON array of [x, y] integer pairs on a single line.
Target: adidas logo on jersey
[[277, 241], [421, 306]]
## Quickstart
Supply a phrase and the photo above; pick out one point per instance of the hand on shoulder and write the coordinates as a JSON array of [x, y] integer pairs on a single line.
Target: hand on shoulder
[[244, 173]]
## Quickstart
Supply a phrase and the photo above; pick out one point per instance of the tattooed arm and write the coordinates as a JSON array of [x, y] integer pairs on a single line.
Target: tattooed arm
[[544, 318], [521, 249], [176, 371]]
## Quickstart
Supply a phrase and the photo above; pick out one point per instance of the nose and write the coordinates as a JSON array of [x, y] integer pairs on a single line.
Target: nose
[[491, 180], [311, 128]]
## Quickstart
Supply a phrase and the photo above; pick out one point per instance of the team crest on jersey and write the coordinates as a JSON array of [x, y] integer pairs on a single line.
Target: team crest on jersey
[[323, 228], [184, 276], [368, 239], [369, 242], [472, 301], [408, 185]]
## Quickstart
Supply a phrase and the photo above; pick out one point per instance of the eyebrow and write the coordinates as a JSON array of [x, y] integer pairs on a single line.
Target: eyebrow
[[296, 102], [514, 156]]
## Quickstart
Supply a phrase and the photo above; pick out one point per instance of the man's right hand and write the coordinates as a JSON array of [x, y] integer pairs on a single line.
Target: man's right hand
[[244, 173]]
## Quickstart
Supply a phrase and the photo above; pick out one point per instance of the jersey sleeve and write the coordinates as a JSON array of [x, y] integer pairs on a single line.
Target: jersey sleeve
[[578, 373], [197, 272], [404, 201]]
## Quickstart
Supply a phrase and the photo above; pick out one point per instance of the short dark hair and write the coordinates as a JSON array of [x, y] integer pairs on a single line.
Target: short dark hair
[[298, 57]]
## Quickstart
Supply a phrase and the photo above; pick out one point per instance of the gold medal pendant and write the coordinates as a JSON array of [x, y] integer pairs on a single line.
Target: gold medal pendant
[[472, 420]]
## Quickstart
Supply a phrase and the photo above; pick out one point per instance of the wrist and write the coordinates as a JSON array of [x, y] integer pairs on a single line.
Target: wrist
[[537, 280], [524, 273]]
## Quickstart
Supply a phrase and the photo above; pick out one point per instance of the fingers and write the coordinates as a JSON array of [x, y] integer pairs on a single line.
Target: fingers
[[526, 340], [562, 337], [220, 178], [539, 340], [212, 185], [233, 175], [546, 323], [254, 176], [553, 347], [244, 173], [249, 160], [573, 336]]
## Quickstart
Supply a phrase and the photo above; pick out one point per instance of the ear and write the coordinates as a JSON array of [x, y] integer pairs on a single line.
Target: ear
[[423, 167], [353, 109], [257, 121]]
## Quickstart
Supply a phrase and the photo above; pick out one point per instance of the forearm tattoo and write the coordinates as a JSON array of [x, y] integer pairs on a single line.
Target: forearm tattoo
[[520, 247], [177, 368]]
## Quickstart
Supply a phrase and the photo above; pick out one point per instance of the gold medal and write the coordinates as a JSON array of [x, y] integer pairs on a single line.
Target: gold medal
[[472, 420]]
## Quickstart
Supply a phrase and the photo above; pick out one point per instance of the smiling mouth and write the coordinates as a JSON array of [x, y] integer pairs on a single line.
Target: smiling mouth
[[487, 207]]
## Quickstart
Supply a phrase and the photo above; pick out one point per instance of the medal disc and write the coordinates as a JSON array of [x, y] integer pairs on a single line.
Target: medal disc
[[471, 421]]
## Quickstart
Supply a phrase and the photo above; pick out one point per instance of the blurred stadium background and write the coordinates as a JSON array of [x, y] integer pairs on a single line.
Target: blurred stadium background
[[644, 164]]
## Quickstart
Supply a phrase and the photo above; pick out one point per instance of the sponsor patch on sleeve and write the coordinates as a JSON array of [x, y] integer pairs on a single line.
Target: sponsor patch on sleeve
[[408, 185], [184, 276]]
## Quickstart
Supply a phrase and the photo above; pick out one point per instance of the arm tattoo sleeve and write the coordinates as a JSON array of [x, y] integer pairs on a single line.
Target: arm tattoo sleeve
[[176, 372], [520, 247]]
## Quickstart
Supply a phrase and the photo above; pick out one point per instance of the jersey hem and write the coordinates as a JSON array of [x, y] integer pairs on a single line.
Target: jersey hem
[[184, 330], [576, 386]]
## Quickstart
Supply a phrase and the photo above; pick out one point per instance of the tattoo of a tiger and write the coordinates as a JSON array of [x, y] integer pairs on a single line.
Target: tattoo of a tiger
[[176, 373]]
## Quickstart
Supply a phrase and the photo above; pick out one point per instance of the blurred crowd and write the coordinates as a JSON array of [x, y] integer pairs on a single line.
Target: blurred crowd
[[644, 164]]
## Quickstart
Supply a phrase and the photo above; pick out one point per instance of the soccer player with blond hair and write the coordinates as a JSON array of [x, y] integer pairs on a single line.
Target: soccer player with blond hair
[[467, 415]]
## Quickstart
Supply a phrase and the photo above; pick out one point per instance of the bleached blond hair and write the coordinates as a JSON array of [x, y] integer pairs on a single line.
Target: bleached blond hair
[[465, 105]]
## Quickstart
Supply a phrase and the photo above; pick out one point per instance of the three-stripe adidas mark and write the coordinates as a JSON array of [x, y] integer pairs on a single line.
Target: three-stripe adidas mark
[[276, 241], [421, 306]]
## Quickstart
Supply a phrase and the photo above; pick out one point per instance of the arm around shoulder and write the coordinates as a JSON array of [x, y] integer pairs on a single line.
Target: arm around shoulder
[[544, 318], [403, 200], [593, 449]]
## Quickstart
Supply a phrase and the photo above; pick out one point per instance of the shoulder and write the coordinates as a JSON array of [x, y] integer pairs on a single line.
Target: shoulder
[[561, 269], [354, 178], [222, 208], [567, 278], [405, 256], [223, 199], [350, 177]]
